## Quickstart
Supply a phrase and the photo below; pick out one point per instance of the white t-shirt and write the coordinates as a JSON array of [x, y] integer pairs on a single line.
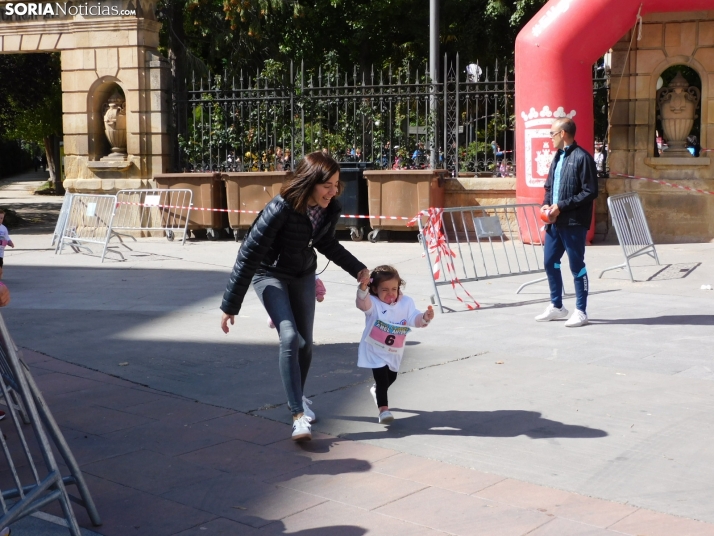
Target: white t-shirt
[[386, 327], [4, 239]]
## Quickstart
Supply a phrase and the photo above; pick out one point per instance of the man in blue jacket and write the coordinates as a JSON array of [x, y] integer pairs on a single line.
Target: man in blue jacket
[[570, 191]]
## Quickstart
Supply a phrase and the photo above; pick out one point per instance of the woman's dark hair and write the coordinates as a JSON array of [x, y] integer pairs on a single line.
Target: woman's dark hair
[[315, 168], [381, 274]]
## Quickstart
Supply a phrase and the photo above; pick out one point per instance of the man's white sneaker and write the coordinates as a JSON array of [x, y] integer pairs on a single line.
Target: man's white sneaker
[[306, 403], [302, 431], [552, 313], [386, 417], [373, 392], [577, 319]]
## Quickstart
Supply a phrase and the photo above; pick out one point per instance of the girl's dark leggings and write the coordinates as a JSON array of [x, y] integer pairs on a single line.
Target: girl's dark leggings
[[383, 377]]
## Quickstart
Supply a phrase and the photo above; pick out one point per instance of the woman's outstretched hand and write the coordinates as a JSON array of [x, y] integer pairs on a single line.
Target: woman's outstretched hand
[[363, 278], [224, 322]]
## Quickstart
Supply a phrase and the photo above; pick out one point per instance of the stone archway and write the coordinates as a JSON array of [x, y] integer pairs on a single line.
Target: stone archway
[[98, 52]]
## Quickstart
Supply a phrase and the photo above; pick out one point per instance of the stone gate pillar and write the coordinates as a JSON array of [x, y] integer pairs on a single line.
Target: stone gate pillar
[[98, 60]]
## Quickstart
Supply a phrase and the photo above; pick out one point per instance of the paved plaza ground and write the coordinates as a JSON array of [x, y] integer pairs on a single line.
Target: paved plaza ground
[[503, 425]]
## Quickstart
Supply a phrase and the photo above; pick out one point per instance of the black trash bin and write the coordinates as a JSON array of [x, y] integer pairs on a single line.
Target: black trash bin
[[354, 198]]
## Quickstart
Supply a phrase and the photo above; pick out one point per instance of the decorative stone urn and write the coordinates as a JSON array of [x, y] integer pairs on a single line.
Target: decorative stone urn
[[677, 106], [115, 127]]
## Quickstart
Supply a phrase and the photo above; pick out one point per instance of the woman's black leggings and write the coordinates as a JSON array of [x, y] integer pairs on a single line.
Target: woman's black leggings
[[383, 377]]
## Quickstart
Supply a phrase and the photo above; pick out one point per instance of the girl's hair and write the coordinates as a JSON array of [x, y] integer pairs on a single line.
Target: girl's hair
[[315, 168], [381, 274]]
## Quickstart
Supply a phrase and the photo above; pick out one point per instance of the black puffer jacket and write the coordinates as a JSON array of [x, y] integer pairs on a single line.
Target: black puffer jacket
[[578, 187], [280, 243]]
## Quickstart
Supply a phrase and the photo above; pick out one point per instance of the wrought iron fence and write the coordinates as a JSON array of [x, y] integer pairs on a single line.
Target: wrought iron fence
[[393, 118]]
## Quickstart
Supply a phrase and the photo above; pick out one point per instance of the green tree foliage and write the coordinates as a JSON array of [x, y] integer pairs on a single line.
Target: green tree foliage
[[31, 101], [242, 34], [30, 96]]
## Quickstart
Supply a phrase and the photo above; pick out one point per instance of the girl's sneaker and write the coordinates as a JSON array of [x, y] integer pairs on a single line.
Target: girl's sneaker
[[302, 431], [373, 392], [386, 417], [270, 323], [306, 403]]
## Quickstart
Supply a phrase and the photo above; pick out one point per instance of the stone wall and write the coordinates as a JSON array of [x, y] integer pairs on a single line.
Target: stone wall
[[480, 191], [673, 215]]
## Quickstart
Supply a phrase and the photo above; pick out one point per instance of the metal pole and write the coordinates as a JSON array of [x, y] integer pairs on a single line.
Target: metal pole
[[434, 75]]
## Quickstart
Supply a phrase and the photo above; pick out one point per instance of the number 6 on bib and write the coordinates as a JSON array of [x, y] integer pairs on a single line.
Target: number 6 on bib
[[389, 337]]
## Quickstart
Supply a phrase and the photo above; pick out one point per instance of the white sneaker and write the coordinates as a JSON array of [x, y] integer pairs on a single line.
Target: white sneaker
[[302, 431], [577, 319], [552, 313], [386, 417], [373, 392], [306, 403]]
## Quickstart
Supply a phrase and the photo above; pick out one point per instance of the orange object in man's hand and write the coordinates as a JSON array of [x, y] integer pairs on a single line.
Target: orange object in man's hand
[[545, 216]]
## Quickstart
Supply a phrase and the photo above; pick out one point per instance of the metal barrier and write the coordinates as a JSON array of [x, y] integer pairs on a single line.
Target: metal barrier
[[61, 220], [478, 243], [89, 221], [152, 210], [631, 228], [34, 484]]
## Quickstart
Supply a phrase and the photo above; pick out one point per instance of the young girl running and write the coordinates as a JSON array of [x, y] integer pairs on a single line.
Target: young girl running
[[388, 315]]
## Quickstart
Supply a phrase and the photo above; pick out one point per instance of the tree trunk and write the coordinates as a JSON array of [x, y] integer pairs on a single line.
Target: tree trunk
[[50, 155], [53, 164]]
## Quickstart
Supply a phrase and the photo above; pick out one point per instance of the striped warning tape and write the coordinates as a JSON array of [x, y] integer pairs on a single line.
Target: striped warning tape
[[361, 216], [665, 183]]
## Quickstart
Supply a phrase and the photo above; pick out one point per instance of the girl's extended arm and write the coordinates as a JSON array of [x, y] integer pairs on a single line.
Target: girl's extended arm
[[421, 320]]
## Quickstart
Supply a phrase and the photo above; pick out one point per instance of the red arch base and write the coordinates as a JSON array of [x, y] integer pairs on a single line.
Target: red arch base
[[554, 57]]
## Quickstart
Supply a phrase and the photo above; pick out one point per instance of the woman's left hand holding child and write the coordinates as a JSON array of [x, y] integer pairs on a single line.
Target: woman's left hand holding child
[[363, 278]]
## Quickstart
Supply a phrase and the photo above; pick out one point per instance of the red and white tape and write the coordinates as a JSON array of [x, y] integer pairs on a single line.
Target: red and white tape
[[665, 183], [436, 243], [361, 216]]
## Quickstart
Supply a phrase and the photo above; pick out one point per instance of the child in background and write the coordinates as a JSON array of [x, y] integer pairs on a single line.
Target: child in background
[[320, 292], [388, 313], [4, 240]]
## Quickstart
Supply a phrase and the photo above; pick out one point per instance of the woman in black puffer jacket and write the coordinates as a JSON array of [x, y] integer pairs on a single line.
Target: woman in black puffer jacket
[[277, 255]]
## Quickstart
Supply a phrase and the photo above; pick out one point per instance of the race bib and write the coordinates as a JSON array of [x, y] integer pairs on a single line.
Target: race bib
[[389, 337]]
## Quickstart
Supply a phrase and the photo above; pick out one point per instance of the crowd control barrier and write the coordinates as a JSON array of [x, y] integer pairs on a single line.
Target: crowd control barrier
[[89, 221], [96, 219], [152, 210], [59, 227], [464, 244], [632, 230], [33, 479]]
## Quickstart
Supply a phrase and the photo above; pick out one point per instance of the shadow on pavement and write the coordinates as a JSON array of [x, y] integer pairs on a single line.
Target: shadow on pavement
[[674, 271], [336, 530], [501, 423], [502, 305], [666, 320]]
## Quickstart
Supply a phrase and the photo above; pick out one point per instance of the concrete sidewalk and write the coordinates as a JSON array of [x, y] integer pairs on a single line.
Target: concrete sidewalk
[[508, 410], [159, 464]]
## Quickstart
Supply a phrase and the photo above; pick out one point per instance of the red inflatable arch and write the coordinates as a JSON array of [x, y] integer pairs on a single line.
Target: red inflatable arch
[[554, 57]]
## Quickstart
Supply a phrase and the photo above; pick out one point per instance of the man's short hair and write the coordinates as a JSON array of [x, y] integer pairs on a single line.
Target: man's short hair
[[567, 125]]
